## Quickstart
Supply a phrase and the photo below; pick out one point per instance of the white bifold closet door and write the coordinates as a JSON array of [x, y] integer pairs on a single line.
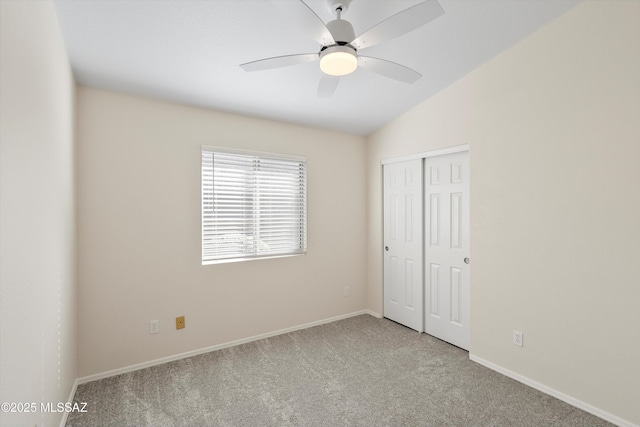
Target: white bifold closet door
[[446, 248], [403, 236]]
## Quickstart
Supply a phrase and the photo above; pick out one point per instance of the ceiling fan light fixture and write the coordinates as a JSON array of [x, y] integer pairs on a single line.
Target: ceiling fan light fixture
[[338, 60]]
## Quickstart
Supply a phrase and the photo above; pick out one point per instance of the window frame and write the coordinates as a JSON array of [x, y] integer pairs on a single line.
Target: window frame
[[301, 229]]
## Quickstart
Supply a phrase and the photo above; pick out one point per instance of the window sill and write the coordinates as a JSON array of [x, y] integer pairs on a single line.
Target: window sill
[[230, 260]]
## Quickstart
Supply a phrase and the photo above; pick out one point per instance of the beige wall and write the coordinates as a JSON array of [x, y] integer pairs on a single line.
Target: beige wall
[[554, 130], [37, 204], [139, 232]]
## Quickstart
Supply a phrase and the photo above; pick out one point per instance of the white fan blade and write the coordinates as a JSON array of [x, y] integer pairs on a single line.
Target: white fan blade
[[327, 86], [279, 61], [389, 69], [306, 20], [399, 24]]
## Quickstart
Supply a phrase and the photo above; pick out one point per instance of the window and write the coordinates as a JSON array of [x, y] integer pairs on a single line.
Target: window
[[254, 205]]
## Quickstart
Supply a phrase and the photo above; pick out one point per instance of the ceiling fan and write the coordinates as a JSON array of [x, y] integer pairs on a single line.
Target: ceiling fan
[[339, 47]]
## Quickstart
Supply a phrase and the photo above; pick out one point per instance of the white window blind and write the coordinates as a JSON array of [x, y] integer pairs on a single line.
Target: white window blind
[[253, 205]]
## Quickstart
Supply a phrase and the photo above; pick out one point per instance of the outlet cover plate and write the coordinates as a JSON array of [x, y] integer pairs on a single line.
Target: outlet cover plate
[[154, 326], [180, 322], [518, 338]]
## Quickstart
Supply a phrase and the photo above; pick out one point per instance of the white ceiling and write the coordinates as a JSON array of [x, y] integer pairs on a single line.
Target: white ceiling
[[189, 51]]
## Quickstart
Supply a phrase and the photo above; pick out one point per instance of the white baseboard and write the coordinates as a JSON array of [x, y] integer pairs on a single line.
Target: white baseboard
[[162, 360], [65, 414], [555, 393], [372, 313]]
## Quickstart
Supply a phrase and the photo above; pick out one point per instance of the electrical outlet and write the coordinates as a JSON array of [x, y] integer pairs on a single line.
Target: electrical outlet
[[518, 336], [154, 326], [346, 291], [180, 322]]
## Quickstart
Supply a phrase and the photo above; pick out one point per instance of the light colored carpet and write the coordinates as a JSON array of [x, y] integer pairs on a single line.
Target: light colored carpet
[[360, 371]]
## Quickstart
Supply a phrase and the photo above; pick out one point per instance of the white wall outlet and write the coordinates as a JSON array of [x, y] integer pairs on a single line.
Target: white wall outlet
[[154, 326], [518, 336], [346, 291]]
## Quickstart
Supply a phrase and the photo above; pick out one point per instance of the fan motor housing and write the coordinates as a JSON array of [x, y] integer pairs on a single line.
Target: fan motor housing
[[341, 30]]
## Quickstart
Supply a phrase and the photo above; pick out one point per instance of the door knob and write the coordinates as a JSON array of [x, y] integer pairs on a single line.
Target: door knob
[[466, 260], [386, 248]]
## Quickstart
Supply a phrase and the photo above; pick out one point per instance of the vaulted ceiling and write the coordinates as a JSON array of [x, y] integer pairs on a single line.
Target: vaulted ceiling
[[189, 51]]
